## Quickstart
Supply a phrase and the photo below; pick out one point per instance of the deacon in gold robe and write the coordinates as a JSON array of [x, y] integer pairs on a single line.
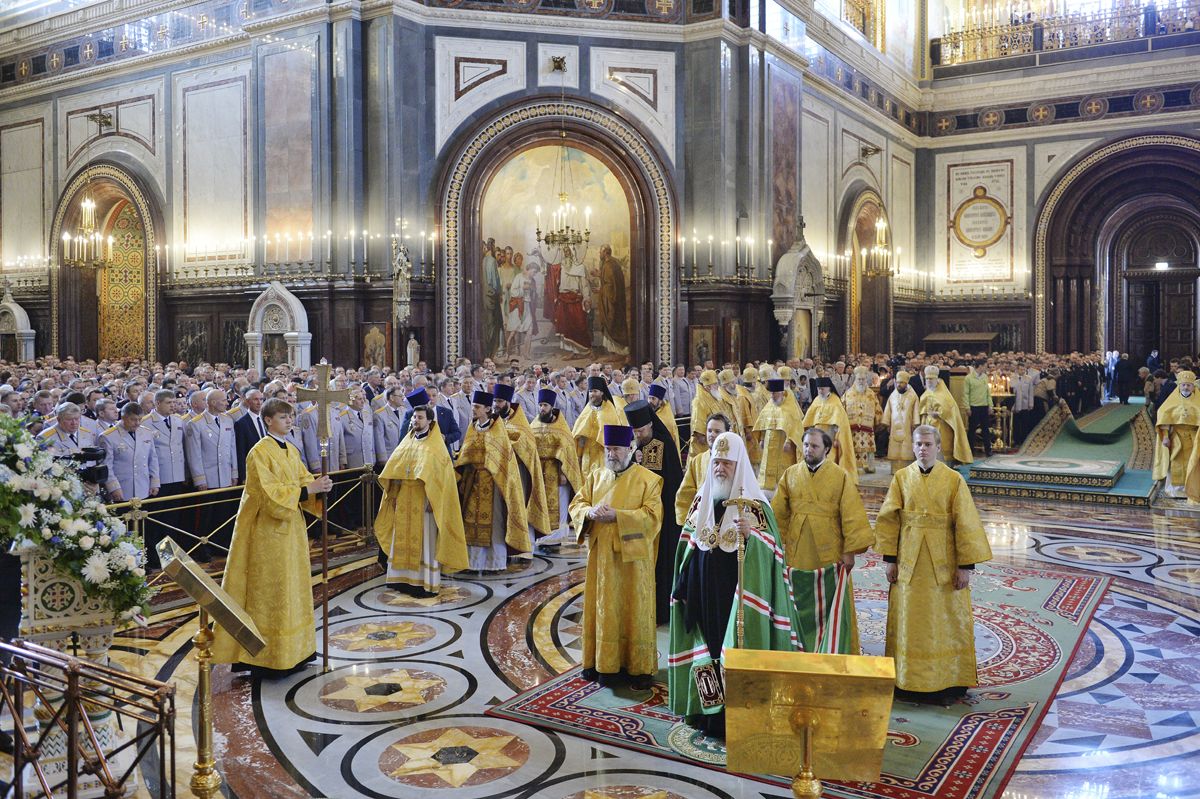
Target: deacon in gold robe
[[790, 401], [929, 534], [419, 525], [827, 413], [657, 397], [753, 388], [269, 573], [779, 432], [619, 510], [865, 414], [560, 461], [740, 410], [1175, 426], [588, 431], [631, 391], [939, 409], [696, 469], [900, 417], [822, 525], [489, 489], [706, 402], [520, 434]]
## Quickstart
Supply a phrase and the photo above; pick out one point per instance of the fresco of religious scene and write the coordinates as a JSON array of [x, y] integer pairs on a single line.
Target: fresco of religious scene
[[570, 305]]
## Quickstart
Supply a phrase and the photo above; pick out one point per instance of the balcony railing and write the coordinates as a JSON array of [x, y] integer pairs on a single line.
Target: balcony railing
[[1029, 34]]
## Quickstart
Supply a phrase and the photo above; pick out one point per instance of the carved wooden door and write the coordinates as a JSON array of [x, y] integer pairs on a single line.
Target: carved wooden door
[[1179, 319], [1141, 311]]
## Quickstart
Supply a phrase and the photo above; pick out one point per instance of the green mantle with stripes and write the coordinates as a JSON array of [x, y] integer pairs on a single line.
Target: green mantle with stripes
[[770, 613]]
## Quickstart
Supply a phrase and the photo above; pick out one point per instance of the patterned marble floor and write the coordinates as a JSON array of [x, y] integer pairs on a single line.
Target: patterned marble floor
[[402, 712]]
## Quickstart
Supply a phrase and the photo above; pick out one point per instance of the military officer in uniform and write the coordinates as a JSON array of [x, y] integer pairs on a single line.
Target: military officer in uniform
[[131, 457], [212, 463], [66, 436], [172, 471], [389, 419], [357, 450]]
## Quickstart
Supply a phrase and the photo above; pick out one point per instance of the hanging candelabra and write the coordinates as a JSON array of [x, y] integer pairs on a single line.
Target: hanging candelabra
[[565, 230], [88, 247]]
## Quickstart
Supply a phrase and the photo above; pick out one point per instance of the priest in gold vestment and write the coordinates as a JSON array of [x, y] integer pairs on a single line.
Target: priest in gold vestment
[[560, 461], [588, 431], [520, 435], [489, 490], [419, 525], [696, 469], [939, 409], [929, 534], [1175, 427], [779, 431], [754, 388], [900, 417], [828, 413], [619, 510], [706, 402], [862, 408], [269, 573], [822, 526], [740, 410]]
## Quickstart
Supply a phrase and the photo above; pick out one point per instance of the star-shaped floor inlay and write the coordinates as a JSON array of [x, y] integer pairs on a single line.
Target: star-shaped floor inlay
[[377, 636], [445, 596], [385, 692], [454, 756]]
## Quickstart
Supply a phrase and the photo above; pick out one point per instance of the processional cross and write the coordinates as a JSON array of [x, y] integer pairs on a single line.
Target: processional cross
[[321, 397]]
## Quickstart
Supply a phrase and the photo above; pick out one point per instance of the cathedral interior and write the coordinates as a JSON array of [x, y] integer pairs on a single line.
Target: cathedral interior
[[262, 182]]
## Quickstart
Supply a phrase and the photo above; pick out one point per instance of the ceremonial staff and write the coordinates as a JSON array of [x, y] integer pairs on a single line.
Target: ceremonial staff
[[743, 505], [321, 396]]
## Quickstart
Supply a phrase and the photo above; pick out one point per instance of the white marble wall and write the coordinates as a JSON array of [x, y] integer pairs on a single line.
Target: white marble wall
[[470, 74], [25, 157]]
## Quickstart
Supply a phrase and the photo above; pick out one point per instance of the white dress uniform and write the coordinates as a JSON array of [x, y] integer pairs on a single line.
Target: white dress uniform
[[61, 443], [172, 461], [132, 461], [211, 450], [358, 437], [388, 421]]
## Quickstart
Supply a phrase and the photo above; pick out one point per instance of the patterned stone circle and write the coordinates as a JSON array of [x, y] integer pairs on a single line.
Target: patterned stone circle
[[384, 691], [624, 792], [388, 635], [453, 757]]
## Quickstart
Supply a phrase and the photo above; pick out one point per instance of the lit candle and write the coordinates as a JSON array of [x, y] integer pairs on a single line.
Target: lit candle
[[749, 255], [350, 236], [366, 238], [329, 246], [110, 248], [737, 253], [287, 248], [432, 248], [587, 218], [537, 216], [67, 247], [770, 253], [710, 240], [695, 244], [167, 254]]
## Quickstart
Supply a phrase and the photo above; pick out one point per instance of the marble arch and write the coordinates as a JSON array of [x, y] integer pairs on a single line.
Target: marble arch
[[278, 311]]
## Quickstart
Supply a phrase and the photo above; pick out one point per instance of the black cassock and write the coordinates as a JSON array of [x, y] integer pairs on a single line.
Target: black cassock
[[661, 457]]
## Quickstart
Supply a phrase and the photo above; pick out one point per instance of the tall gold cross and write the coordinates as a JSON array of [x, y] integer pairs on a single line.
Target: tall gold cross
[[321, 396]]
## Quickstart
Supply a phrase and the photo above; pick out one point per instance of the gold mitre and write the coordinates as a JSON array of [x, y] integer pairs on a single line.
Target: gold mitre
[[727, 376], [708, 378], [749, 373], [629, 386], [932, 371]]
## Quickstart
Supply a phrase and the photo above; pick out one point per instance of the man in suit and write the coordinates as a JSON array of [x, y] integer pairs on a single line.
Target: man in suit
[[248, 429], [172, 472], [459, 402], [444, 417], [211, 450], [1126, 374], [388, 420]]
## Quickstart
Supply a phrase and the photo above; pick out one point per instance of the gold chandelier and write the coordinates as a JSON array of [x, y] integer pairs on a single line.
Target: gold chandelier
[[565, 229], [879, 261], [87, 247]]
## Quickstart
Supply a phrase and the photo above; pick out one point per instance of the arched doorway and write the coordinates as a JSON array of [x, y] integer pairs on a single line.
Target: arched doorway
[[108, 312], [865, 229], [475, 182], [1102, 228]]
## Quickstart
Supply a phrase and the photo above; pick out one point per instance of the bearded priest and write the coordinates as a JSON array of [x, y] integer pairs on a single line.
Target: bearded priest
[[588, 431], [619, 511], [706, 402], [1175, 427], [560, 462], [703, 613], [828, 413], [419, 525]]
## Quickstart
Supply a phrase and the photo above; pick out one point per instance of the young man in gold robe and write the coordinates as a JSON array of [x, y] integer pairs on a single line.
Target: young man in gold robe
[[779, 432], [560, 461], [619, 510], [863, 410], [489, 490], [656, 395], [939, 409], [419, 525], [929, 534], [828, 413], [1175, 426], [900, 417], [520, 434], [696, 469], [269, 573], [588, 431], [822, 525], [706, 402]]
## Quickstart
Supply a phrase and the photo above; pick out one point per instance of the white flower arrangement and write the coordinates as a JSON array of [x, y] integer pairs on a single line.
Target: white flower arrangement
[[43, 507]]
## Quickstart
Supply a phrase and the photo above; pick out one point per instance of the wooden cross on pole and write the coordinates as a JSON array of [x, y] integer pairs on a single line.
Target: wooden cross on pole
[[321, 397]]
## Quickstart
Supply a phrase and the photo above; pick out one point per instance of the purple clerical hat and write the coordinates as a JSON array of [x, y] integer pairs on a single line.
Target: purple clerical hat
[[418, 398], [504, 392], [548, 396], [658, 391], [775, 384], [481, 398], [617, 435]]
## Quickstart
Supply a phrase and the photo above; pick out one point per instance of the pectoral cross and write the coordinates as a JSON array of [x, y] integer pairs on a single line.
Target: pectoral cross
[[321, 396]]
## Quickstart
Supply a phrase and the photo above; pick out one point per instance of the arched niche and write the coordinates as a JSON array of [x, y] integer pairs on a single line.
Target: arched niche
[[16, 333], [623, 149], [868, 313], [798, 296], [278, 330]]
